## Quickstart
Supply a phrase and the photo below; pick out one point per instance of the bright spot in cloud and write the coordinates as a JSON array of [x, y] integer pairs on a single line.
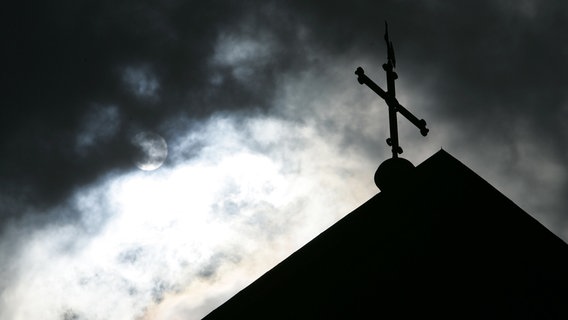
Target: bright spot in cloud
[[243, 54], [152, 150], [141, 81]]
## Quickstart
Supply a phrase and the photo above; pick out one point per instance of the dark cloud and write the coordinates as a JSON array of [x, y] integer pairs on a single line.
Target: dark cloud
[[228, 84], [150, 63]]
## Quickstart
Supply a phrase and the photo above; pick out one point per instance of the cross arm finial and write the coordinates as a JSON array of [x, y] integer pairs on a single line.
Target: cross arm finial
[[363, 79]]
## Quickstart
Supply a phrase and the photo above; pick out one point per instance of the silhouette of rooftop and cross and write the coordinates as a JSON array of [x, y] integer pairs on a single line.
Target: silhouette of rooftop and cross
[[390, 97], [390, 172], [458, 250]]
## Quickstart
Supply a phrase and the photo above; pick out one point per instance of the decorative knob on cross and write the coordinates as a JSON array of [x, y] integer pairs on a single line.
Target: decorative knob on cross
[[390, 98]]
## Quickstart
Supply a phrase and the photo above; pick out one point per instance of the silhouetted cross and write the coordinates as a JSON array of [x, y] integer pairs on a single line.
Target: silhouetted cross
[[390, 98]]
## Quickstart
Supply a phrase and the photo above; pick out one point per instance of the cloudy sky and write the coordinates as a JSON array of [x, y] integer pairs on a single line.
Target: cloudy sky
[[268, 136]]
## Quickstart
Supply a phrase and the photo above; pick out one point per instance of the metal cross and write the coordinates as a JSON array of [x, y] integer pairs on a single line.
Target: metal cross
[[390, 98]]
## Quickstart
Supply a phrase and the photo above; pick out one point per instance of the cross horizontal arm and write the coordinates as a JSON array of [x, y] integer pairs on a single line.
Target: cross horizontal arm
[[391, 101], [363, 79], [421, 124]]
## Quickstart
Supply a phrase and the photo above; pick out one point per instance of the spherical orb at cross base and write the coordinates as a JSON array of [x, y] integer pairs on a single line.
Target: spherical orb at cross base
[[393, 173]]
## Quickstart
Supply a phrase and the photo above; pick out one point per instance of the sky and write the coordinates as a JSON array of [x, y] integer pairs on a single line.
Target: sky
[[157, 157]]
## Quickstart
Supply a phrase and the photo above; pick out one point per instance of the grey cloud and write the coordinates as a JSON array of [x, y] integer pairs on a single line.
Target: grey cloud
[[98, 127], [141, 82], [273, 82]]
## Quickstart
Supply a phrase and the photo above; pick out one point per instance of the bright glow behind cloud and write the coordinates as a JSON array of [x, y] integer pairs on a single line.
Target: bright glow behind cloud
[[238, 195], [259, 184], [241, 191]]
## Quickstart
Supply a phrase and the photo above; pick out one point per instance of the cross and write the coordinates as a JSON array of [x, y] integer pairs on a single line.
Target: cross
[[390, 98]]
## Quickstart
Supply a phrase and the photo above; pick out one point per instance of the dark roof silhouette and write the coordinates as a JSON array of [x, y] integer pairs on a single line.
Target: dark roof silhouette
[[445, 244]]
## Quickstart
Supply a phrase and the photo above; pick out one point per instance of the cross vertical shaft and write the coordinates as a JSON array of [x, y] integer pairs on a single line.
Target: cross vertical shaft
[[391, 96], [393, 140]]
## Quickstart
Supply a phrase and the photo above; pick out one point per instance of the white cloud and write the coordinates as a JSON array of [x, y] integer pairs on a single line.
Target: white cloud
[[178, 241], [256, 190]]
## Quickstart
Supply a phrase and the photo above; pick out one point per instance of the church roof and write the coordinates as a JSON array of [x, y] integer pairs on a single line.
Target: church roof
[[444, 244]]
